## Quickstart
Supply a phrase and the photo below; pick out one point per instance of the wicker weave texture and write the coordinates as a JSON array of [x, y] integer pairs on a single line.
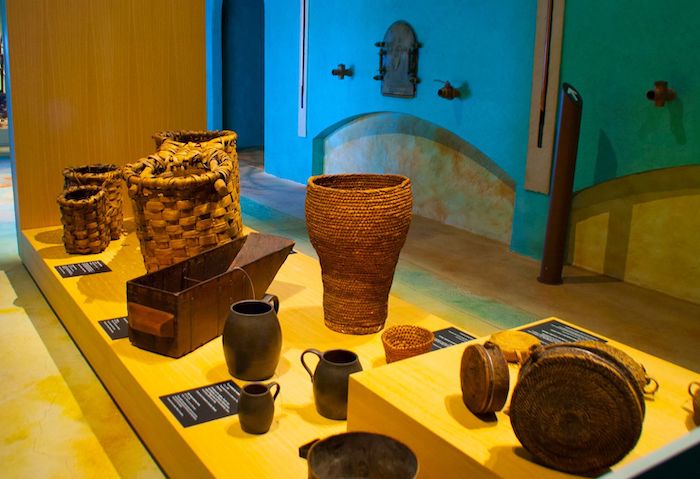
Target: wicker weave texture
[[109, 177], [186, 200], [194, 136], [575, 411], [358, 224], [405, 341], [84, 218]]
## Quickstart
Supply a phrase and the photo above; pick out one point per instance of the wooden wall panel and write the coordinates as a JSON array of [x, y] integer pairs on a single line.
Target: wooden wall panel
[[91, 80]]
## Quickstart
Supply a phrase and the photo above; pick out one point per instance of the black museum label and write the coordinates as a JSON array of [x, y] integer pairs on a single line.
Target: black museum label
[[116, 328], [554, 332], [203, 404], [447, 337], [81, 269]]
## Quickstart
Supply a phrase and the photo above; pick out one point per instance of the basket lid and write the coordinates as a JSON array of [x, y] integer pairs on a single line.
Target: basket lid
[[575, 411], [484, 378]]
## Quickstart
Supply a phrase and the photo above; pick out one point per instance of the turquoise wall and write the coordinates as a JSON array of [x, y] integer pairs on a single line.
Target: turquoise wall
[[485, 48], [242, 70], [613, 57]]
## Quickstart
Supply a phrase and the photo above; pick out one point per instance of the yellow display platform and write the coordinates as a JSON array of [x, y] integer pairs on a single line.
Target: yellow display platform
[[136, 378], [419, 402]]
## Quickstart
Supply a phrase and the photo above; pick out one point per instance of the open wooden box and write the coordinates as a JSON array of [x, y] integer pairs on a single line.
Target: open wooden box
[[179, 308]]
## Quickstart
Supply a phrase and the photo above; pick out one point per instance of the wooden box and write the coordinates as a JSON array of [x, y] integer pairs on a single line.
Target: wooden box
[[179, 308]]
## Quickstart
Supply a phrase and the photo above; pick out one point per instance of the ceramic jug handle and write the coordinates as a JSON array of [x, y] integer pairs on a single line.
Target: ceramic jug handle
[[303, 363], [690, 387], [269, 386], [273, 300]]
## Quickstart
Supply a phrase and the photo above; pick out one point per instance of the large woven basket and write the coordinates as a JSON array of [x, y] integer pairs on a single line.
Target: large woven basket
[[199, 137], [84, 218], [575, 410], [109, 177], [358, 224], [186, 200], [406, 340]]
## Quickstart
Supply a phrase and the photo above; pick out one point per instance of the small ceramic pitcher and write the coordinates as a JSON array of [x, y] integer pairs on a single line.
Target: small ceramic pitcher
[[694, 391], [253, 339], [256, 407], [330, 380]]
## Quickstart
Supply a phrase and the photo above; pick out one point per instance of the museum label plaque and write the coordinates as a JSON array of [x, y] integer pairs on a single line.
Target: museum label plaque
[[116, 328], [81, 269], [553, 331], [199, 405], [447, 337]]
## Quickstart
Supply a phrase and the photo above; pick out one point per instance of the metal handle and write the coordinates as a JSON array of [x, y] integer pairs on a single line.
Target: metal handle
[[303, 363]]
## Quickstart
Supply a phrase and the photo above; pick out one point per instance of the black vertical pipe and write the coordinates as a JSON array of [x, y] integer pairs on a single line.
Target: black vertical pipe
[[562, 185]]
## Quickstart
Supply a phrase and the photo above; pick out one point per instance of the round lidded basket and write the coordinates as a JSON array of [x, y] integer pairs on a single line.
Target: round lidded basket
[[484, 378], [185, 201], [405, 340], [109, 177], [84, 214], [576, 411], [357, 224]]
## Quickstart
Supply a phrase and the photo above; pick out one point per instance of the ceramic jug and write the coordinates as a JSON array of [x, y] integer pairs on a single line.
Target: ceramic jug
[[256, 407], [253, 338], [330, 380]]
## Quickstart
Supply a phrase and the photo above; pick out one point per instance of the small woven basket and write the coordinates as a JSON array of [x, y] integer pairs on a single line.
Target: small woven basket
[[405, 340], [186, 200], [198, 137], [358, 224], [109, 177], [84, 218]]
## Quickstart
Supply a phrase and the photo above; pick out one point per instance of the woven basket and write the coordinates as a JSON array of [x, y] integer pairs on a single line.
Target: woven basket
[[576, 411], [196, 136], [109, 177], [84, 218], [405, 340], [186, 200], [358, 224]]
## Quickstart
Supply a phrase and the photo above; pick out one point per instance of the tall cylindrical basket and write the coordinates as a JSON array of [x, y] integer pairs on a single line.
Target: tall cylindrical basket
[[109, 177], [185, 201], [84, 214], [358, 224]]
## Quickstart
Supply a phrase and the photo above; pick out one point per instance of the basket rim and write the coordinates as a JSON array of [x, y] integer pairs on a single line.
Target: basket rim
[[167, 134], [427, 336], [98, 192], [223, 170], [402, 183]]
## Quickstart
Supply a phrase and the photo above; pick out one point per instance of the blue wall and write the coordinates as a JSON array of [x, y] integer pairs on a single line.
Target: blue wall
[[482, 46], [485, 48], [242, 67]]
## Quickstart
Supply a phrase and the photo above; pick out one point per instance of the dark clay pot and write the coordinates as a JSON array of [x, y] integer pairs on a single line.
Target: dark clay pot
[[256, 407], [330, 380], [253, 339]]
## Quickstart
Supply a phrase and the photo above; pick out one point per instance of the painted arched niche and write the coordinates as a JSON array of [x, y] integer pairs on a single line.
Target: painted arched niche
[[642, 229], [452, 181]]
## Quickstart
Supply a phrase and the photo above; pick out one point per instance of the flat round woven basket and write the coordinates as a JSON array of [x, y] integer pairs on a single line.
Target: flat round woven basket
[[575, 411], [405, 340], [358, 224], [484, 378], [109, 177], [84, 218], [185, 200]]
